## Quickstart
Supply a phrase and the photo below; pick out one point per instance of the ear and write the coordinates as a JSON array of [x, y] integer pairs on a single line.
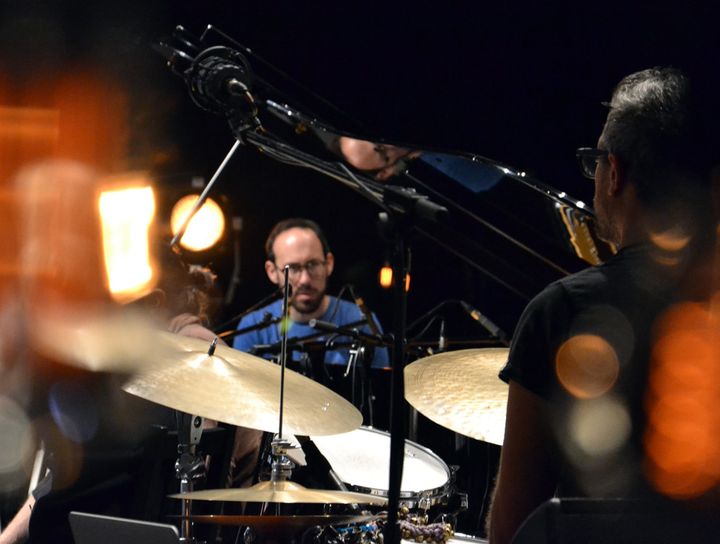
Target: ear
[[330, 260], [271, 272], [617, 175]]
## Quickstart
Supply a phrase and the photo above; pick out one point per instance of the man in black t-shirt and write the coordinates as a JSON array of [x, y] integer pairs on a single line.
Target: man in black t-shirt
[[585, 346]]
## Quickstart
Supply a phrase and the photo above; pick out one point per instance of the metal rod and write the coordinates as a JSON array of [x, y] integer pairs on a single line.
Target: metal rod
[[203, 196], [283, 345], [397, 402]]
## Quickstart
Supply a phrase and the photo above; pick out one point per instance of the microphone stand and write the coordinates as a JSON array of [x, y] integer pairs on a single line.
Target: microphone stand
[[398, 407], [267, 320], [204, 195], [400, 205], [264, 302]]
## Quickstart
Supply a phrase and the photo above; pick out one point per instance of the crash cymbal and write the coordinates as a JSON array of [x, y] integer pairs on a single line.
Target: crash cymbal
[[100, 340], [281, 492], [461, 391], [238, 388]]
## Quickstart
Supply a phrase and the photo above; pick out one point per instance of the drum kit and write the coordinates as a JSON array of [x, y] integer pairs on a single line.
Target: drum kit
[[458, 390]]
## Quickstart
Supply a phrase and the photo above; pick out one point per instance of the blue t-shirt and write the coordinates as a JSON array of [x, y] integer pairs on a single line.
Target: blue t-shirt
[[339, 312]]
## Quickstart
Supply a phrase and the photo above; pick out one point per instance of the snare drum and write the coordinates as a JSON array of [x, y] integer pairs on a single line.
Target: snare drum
[[361, 459]]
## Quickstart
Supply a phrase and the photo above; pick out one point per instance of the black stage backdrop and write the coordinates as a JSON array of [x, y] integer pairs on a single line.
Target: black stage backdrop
[[521, 83]]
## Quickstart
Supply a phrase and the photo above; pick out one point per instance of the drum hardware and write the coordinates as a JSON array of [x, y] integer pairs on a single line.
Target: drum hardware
[[361, 460], [416, 528], [279, 489], [284, 492], [286, 527], [360, 356], [221, 329], [189, 467], [460, 390]]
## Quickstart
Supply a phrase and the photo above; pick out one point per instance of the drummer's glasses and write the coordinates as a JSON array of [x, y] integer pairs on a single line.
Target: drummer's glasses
[[588, 158], [314, 268]]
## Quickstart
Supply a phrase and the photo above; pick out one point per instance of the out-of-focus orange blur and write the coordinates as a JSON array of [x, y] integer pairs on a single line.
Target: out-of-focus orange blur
[[682, 440], [587, 366], [80, 117]]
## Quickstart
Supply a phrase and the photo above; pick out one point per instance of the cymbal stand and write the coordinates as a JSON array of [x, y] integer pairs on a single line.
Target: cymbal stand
[[189, 466], [360, 360], [282, 466]]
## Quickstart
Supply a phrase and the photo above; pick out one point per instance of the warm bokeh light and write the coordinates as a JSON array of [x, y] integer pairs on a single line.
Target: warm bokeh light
[[205, 228], [386, 276], [600, 427], [18, 445], [670, 240], [682, 440], [587, 366], [126, 216], [669, 246]]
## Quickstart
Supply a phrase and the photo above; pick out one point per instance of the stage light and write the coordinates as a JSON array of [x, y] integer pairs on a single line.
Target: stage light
[[206, 227], [386, 278], [126, 215]]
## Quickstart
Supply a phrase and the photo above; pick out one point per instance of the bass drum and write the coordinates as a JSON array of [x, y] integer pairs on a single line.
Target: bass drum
[[361, 459]]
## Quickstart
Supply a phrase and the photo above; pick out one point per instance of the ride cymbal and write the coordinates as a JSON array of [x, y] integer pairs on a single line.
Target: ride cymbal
[[281, 492], [238, 388], [461, 391]]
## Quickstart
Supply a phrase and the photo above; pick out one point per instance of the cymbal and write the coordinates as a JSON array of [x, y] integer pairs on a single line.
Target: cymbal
[[98, 340], [281, 492], [281, 525], [461, 391], [238, 388]]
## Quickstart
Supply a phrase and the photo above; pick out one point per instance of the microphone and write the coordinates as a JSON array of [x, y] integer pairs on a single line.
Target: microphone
[[219, 80], [442, 340], [347, 330], [491, 327], [360, 303]]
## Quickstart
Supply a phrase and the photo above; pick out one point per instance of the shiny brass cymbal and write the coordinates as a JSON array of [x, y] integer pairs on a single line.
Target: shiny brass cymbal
[[238, 388], [281, 525], [281, 492], [461, 391]]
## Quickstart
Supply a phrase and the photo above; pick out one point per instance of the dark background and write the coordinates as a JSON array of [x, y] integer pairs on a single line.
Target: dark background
[[521, 83]]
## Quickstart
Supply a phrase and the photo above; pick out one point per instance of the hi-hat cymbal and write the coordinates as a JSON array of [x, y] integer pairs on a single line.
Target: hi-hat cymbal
[[238, 388], [281, 492], [281, 525], [461, 391]]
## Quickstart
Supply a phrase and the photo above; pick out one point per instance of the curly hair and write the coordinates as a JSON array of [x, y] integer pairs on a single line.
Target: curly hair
[[187, 288]]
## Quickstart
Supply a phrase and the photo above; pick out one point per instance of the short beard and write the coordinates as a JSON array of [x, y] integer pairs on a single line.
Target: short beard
[[308, 308]]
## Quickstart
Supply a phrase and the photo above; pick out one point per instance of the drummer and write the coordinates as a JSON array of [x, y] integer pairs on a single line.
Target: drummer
[[301, 244]]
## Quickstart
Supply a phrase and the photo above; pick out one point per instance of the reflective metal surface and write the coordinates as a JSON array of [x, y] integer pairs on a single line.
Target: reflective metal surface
[[461, 391], [238, 388], [282, 492]]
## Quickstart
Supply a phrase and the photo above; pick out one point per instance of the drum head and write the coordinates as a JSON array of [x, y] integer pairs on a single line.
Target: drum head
[[361, 458]]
